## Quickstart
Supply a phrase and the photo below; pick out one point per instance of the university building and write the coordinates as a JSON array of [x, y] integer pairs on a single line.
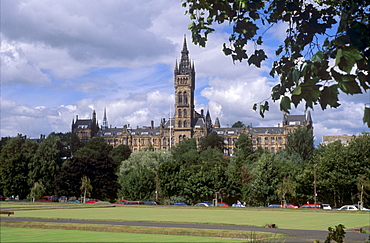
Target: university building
[[187, 123]]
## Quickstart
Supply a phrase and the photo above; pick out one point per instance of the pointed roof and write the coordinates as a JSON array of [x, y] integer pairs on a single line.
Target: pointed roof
[[105, 120], [185, 64], [217, 123], [184, 47], [309, 118]]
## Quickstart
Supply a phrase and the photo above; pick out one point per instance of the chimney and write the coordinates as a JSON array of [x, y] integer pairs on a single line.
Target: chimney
[[152, 124], [202, 112], [76, 117]]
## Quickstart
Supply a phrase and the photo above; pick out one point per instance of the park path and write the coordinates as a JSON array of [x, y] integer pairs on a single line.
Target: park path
[[294, 235]]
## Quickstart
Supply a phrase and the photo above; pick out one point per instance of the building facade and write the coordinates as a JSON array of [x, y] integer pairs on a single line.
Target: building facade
[[187, 122]]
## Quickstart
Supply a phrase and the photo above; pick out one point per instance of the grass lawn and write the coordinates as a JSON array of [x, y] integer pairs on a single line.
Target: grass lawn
[[10, 234], [283, 218]]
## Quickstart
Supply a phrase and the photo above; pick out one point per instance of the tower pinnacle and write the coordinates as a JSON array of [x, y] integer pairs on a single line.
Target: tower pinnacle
[[105, 120]]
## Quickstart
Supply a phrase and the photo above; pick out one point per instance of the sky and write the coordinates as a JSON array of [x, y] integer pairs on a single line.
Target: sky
[[65, 58]]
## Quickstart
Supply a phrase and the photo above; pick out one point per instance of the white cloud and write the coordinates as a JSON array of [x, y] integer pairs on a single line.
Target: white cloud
[[65, 58], [16, 69]]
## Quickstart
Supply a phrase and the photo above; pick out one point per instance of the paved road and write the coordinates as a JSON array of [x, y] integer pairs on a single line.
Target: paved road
[[294, 235]]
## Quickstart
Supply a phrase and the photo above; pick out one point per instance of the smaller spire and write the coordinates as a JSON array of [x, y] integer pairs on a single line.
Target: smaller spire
[[105, 120], [184, 46], [217, 123]]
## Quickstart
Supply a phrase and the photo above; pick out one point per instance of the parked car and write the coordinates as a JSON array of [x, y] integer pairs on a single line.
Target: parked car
[[288, 205], [201, 205], [73, 201], [326, 206], [311, 206], [349, 208], [48, 199], [222, 204], [2, 198], [151, 202], [126, 202], [180, 204], [238, 205], [93, 201], [361, 207], [275, 206], [209, 204]]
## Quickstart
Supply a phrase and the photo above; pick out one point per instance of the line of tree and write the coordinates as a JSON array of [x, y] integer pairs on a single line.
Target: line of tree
[[62, 166]]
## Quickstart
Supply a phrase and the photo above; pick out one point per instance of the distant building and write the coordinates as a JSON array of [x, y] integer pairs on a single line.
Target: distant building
[[188, 123], [345, 139]]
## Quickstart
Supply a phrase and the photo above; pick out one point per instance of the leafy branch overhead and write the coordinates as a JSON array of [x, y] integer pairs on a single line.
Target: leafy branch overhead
[[326, 49]]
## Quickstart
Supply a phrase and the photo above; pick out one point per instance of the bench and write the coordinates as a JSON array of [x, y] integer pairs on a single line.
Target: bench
[[6, 212], [270, 225], [357, 230]]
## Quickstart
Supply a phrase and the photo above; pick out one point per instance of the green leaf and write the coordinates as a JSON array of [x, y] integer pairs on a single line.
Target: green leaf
[[329, 96], [318, 57], [297, 90], [259, 40], [226, 50], [348, 59], [285, 103], [338, 57], [257, 58]]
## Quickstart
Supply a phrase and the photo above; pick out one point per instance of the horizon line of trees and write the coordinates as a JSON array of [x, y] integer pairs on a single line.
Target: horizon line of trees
[[63, 166]]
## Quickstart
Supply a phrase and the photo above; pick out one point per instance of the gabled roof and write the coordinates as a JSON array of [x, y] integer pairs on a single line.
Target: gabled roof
[[199, 122], [228, 130], [294, 119]]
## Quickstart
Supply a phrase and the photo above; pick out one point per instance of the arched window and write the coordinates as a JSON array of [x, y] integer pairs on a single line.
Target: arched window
[[185, 98], [185, 113], [164, 141], [179, 113], [179, 98], [185, 124], [180, 138], [179, 123]]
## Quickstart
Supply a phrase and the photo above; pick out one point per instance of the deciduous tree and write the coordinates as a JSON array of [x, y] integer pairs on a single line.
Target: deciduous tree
[[317, 33], [15, 157], [301, 142]]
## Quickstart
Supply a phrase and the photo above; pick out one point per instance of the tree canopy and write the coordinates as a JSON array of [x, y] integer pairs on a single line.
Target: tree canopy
[[325, 51]]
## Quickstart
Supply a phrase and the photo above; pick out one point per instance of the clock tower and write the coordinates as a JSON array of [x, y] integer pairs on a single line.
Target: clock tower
[[184, 82]]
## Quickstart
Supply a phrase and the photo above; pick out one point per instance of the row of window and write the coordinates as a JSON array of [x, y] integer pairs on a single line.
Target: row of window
[[182, 80], [180, 124], [144, 141], [267, 139], [182, 98], [179, 113]]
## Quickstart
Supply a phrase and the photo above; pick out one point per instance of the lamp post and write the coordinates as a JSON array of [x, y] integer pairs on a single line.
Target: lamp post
[[314, 182]]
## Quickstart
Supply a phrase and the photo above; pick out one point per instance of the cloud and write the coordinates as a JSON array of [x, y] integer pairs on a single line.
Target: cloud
[[16, 69], [65, 58], [85, 33]]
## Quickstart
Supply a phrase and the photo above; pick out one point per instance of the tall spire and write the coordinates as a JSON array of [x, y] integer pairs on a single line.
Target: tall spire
[[105, 120], [185, 46], [185, 65]]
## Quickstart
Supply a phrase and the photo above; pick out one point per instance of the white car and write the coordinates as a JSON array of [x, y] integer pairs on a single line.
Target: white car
[[349, 207], [326, 206], [361, 207]]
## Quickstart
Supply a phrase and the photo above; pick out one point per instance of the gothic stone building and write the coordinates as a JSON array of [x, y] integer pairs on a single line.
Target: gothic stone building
[[187, 123]]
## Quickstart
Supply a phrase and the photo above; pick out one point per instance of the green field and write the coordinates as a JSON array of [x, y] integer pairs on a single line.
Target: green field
[[283, 218], [10, 234]]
